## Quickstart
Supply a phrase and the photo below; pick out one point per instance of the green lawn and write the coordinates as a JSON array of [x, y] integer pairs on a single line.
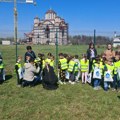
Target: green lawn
[[68, 102]]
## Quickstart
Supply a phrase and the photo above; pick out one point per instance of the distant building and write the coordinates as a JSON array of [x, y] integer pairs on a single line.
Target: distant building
[[6, 42], [44, 30], [116, 41]]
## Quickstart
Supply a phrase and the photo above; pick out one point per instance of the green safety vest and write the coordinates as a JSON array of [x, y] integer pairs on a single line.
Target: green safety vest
[[71, 66], [63, 63], [84, 66]]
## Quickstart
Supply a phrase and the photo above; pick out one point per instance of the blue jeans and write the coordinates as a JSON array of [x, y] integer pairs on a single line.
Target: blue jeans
[[118, 87], [96, 82], [31, 83], [114, 85], [106, 84]]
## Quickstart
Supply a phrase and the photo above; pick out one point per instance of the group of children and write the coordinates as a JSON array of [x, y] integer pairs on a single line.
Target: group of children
[[104, 73]]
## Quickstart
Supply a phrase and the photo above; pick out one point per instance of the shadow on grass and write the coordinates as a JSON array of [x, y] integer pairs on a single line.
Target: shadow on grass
[[118, 97], [8, 77]]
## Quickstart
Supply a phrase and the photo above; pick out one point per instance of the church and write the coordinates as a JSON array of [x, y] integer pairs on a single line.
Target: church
[[49, 30]]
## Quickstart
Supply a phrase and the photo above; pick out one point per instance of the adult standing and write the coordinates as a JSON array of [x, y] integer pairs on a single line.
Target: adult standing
[[30, 53], [109, 52], [91, 54]]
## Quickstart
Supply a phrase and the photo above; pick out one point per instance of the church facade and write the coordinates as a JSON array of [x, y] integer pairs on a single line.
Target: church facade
[[49, 30]]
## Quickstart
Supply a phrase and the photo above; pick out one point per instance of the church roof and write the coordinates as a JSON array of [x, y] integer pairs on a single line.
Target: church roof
[[51, 11]]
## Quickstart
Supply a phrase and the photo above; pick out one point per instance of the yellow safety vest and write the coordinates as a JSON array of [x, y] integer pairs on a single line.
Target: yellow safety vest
[[110, 68], [116, 65], [84, 65], [48, 60], [63, 63], [37, 60], [100, 66], [1, 65], [19, 65], [43, 64], [76, 67], [52, 63], [71, 66]]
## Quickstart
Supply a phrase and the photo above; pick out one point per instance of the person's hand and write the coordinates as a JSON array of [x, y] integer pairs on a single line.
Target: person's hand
[[36, 65]]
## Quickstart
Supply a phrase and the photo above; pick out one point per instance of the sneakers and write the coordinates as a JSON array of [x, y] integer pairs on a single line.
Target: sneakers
[[113, 89], [61, 82], [72, 83], [95, 88]]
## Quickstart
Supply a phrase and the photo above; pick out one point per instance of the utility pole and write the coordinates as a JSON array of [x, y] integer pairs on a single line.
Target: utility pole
[[15, 27], [15, 20], [94, 36], [56, 51]]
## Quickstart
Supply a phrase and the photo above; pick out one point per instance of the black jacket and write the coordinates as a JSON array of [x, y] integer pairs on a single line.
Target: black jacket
[[89, 53], [31, 54]]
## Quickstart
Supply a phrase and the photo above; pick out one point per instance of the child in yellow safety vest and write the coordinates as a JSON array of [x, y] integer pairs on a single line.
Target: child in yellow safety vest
[[62, 67], [84, 67], [52, 62], [116, 82], [71, 70], [2, 71], [38, 61], [77, 68], [108, 73], [19, 71], [48, 59], [97, 69]]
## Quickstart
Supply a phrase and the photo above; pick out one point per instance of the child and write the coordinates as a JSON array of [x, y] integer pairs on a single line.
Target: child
[[116, 72], [97, 72], [108, 73], [52, 61], [71, 70], [19, 71], [62, 67], [39, 63], [77, 68], [27, 59], [2, 72], [48, 60], [84, 66]]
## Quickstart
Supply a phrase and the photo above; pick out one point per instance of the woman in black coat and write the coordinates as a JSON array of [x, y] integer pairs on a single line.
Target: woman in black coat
[[49, 78], [91, 54]]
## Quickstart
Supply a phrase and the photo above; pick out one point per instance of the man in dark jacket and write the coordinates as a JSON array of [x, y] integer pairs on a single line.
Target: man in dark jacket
[[29, 53]]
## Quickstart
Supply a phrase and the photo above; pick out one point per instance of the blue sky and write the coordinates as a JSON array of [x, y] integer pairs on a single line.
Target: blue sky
[[83, 16]]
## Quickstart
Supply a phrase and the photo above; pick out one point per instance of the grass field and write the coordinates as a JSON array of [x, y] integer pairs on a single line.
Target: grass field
[[68, 102]]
